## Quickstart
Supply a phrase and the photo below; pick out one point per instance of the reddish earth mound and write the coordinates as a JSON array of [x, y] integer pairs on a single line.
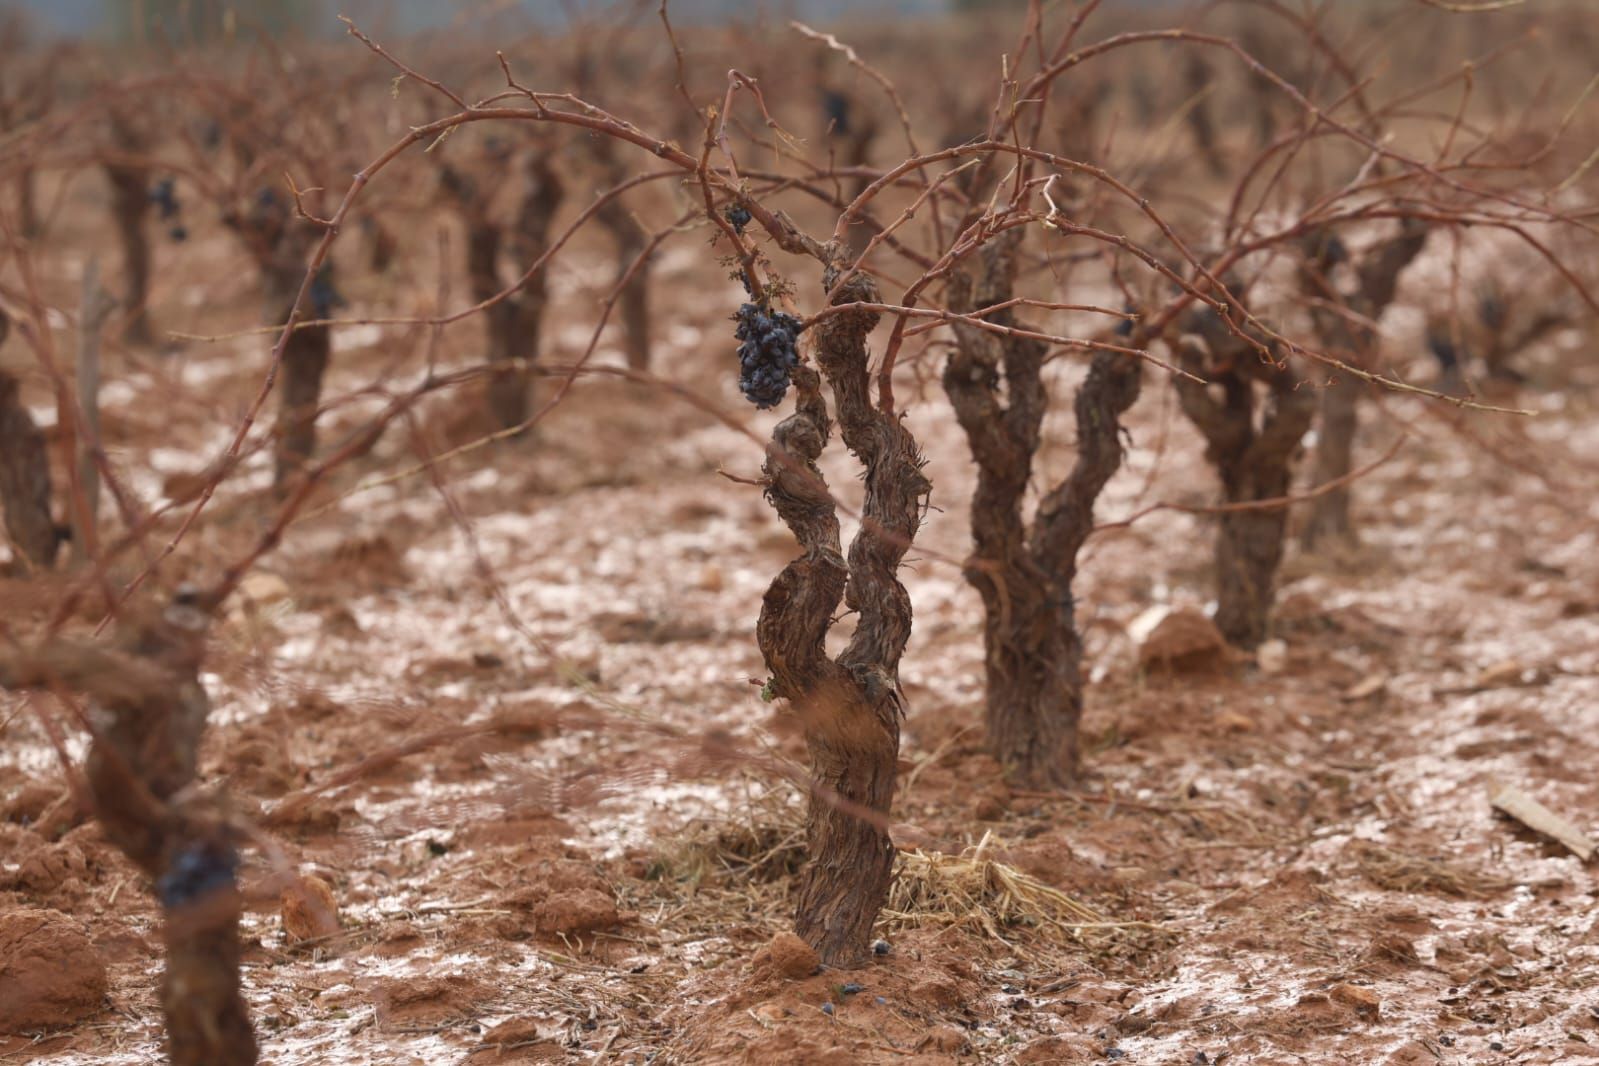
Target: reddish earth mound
[[50, 974]]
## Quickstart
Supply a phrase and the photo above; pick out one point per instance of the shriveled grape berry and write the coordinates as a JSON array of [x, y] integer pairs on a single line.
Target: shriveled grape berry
[[165, 197], [768, 354], [737, 217]]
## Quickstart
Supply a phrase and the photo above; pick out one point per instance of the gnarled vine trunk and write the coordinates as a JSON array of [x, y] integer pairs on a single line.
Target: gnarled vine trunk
[[514, 323], [849, 707], [305, 363], [1024, 574], [281, 245], [633, 298], [149, 710], [130, 211], [25, 490], [1352, 340], [28, 203], [1254, 460], [1334, 458]]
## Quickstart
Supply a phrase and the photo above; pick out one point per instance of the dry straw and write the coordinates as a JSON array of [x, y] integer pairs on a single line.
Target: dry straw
[[975, 891]]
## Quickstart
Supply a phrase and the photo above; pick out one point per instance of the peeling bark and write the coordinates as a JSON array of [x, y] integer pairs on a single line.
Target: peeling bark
[[849, 707], [633, 301], [1354, 342], [25, 490], [1199, 80], [93, 309], [1024, 574], [148, 710], [305, 363], [514, 323], [1254, 460], [281, 247], [130, 211]]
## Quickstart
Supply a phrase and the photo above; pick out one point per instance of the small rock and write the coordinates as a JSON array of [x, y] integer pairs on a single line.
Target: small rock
[[1498, 675], [1363, 1001], [308, 909], [581, 910], [51, 975], [991, 804], [827, 1009], [786, 956], [1180, 639], [1233, 722], [880, 947], [769, 1014], [44, 870], [1272, 656]]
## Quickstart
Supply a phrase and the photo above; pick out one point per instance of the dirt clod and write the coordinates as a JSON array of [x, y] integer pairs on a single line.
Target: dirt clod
[[50, 974], [1178, 639], [785, 956], [1362, 1001], [308, 909], [581, 911], [45, 870]]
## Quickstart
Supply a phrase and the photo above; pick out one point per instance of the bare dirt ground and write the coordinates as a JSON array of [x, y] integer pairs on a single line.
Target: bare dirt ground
[[547, 857]]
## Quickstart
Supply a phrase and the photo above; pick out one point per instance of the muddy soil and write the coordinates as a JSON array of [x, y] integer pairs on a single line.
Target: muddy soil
[[549, 855]]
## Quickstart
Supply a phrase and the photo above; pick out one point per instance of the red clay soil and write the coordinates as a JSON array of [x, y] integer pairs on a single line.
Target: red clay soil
[[547, 856]]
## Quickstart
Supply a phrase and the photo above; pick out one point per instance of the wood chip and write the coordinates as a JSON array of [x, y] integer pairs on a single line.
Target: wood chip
[[1367, 686], [1540, 819]]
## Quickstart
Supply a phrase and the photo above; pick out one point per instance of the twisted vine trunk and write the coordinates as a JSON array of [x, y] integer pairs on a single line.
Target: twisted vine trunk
[[1199, 79], [1334, 458], [522, 326], [305, 363], [28, 203], [1353, 341], [633, 299], [93, 309], [1033, 651], [849, 707], [25, 489], [514, 323], [130, 211], [1253, 459], [281, 246], [149, 710]]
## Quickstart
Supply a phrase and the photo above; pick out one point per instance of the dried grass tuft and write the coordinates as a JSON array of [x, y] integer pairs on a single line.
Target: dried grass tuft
[[1401, 871], [988, 897], [763, 842]]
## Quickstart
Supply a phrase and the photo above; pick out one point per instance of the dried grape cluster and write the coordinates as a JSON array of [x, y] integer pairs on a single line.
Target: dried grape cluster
[[165, 197], [767, 355], [738, 217]]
